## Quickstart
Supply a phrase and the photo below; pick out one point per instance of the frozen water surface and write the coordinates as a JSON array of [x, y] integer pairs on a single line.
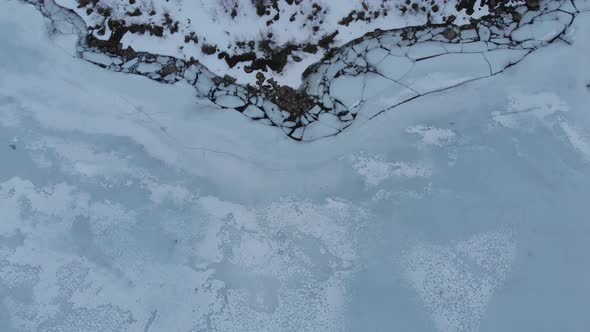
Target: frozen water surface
[[127, 204]]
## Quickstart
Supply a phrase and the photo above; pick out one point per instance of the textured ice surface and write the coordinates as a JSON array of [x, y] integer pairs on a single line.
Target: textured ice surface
[[130, 205]]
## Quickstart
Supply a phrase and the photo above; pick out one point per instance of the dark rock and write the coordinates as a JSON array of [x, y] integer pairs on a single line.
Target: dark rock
[[309, 48], [136, 12], [288, 99], [156, 30], [233, 60], [348, 19], [260, 7], [327, 40], [532, 4], [260, 78], [208, 49], [516, 16], [167, 70], [227, 80], [450, 33]]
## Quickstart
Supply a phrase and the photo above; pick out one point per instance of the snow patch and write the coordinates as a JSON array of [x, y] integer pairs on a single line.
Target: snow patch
[[455, 292], [580, 140], [523, 108], [431, 135], [374, 170]]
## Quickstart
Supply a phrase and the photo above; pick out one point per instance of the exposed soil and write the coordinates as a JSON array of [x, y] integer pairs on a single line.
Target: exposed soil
[[293, 101]]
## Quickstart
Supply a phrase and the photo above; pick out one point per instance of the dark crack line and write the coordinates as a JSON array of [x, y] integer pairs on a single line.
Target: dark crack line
[[489, 65]]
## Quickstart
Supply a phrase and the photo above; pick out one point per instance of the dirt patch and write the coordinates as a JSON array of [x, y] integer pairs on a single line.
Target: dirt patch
[[293, 101]]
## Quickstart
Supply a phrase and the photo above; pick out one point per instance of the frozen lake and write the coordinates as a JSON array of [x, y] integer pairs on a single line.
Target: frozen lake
[[132, 205]]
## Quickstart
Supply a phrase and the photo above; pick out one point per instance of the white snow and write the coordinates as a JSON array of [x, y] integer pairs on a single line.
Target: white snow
[[375, 170], [579, 140], [431, 135], [348, 89]]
